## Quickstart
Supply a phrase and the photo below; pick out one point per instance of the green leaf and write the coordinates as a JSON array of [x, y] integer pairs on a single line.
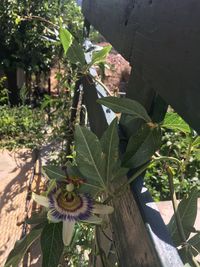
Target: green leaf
[[76, 54], [73, 170], [142, 146], [119, 171], [196, 142], [52, 244], [110, 147], [66, 39], [187, 210], [90, 159], [22, 246], [175, 122], [125, 105], [54, 172], [37, 218], [185, 255], [101, 55], [89, 186], [195, 243]]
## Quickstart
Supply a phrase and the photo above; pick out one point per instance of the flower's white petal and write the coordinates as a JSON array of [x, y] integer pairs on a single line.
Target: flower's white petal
[[93, 219], [52, 218], [102, 209], [67, 234], [41, 200]]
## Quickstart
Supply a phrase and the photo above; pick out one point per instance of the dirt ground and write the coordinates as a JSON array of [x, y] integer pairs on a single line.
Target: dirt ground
[[116, 75]]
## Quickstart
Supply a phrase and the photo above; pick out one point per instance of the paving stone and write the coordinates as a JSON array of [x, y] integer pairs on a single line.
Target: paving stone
[[15, 168], [166, 211]]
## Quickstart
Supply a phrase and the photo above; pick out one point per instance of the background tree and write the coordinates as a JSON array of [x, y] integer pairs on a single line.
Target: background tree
[[23, 36]]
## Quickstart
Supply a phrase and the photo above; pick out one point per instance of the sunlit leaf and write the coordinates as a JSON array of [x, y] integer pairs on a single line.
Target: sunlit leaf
[[51, 244], [76, 54], [90, 160], [54, 172], [18, 252], [125, 105], [185, 254], [196, 142], [66, 39], [142, 146], [195, 243], [110, 147], [187, 210], [101, 55], [187, 265], [175, 122]]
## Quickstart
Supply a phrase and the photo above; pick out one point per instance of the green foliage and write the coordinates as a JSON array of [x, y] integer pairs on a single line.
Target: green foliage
[[77, 254], [189, 247], [21, 127], [187, 210], [175, 122], [54, 172], [110, 147], [90, 159], [59, 120], [183, 146], [194, 242], [76, 54], [181, 151], [66, 39], [25, 31], [142, 146], [51, 244], [15, 256], [196, 143], [29, 41], [37, 218], [126, 106], [100, 56], [4, 98]]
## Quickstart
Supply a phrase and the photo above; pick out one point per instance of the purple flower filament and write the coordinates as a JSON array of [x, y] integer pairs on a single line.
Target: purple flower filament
[[70, 205]]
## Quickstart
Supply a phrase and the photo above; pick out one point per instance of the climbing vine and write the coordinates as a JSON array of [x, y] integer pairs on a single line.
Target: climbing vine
[[80, 193]]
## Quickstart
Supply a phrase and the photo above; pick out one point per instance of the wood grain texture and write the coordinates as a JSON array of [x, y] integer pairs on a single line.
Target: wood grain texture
[[161, 40], [140, 236], [131, 240]]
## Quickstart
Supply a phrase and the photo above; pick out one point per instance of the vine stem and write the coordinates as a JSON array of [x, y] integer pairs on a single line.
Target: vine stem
[[163, 158], [175, 204], [103, 85], [139, 172], [177, 215], [39, 19], [187, 158], [130, 180], [99, 249]]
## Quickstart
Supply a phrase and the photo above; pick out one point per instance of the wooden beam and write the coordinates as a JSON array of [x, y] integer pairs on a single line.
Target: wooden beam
[[161, 40]]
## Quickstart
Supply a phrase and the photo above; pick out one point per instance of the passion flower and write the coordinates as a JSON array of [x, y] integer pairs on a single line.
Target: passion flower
[[69, 207]]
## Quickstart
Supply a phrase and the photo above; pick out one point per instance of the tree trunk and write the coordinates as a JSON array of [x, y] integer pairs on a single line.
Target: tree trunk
[[12, 87]]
